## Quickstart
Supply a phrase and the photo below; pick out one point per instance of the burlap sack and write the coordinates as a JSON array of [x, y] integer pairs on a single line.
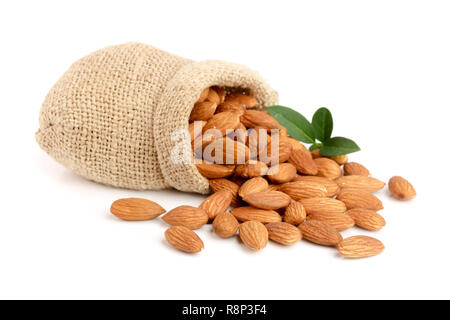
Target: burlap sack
[[111, 116]]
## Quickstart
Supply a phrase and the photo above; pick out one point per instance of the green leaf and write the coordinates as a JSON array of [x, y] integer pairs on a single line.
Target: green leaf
[[297, 125], [322, 123], [338, 146], [315, 146]]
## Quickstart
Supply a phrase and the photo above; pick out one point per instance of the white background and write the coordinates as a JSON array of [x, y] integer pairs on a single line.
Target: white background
[[382, 67]]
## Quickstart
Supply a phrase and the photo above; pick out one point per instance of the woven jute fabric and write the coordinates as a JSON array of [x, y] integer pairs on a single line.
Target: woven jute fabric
[[119, 116]]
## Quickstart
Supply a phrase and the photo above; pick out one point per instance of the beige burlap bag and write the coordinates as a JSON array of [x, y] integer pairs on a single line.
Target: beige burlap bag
[[111, 117]]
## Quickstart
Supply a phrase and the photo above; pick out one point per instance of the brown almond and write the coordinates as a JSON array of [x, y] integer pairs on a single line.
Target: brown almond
[[213, 96], [340, 160], [303, 161], [354, 168], [274, 187], [304, 189], [221, 91], [251, 213], [254, 235], [258, 139], [296, 145], [217, 203], [331, 186], [270, 200], [247, 101], [360, 247], [254, 185], [283, 233], [136, 209], [224, 184], [225, 225], [282, 173], [367, 219], [401, 189], [284, 151], [328, 168], [295, 213], [203, 95], [231, 106], [239, 134], [184, 239], [339, 221], [354, 198], [318, 205], [203, 111], [222, 122], [214, 171], [226, 151], [259, 119], [190, 217], [368, 184], [316, 154], [320, 233], [252, 169]]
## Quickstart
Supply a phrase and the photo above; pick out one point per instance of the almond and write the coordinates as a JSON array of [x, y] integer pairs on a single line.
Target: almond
[[247, 101], [270, 200], [258, 141], [320, 233], [303, 161], [328, 168], [318, 205], [304, 189], [214, 171], [354, 168], [231, 106], [274, 187], [367, 219], [316, 154], [187, 216], [254, 235], [339, 221], [360, 247], [239, 134], [331, 186], [283, 233], [282, 173], [213, 96], [221, 91], [222, 121], [259, 119], [401, 189], [136, 209], [364, 183], [340, 160], [354, 198], [254, 185], [295, 213], [225, 225], [184, 239], [203, 95], [224, 184], [250, 213], [227, 151], [251, 169], [284, 151], [203, 111], [217, 203], [296, 145]]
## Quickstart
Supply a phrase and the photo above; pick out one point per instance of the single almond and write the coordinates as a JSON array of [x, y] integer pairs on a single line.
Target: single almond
[[283, 233], [136, 209], [224, 184], [328, 168], [213, 96], [365, 183], [331, 186], [221, 91], [367, 219], [340, 160], [282, 173], [184, 239], [284, 151], [203, 111], [252, 169], [251, 213], [203, 95], [270, 200], [223, 122], [214, 171], [303, 161], [225, 225], [360, 247], [259, 119], [254, 235], [217, 203], [231, 106], [339, 221], [354, 168], [401, 189], [246, 100], [296, 145], [316, 154], [258, 139], [304, 189], [254, 185], [318, 205], [295, 213], [226, 151], [354, 198], [190, 217], [320, 233]]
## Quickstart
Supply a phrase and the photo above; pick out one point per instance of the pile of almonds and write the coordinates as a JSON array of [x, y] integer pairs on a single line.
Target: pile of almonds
[[304, 196]]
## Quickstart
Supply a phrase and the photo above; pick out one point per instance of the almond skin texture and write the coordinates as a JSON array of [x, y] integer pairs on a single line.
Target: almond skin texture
[[231, 106], [364, 183], [250, 213], [360, 247], [340, 160], [217, 203], [304, 190], [252, 169], [214, 171], [136, 209], [184, 239], [225, 225], [233, 152], [247, 101], [401, 189], [295, 213], [354, 198], [354, 168], [282, 173], [296, 145], [316, 154], [259, 119], [367, 219], [319, 205], [284, 150], [203, 111], [283, 233], [303, 161], [222, 121], [254, 235], [224, 184], [213, 96], [320, 233], [270, 200], [187, 216], [339, 221], [254, 185], [328, 168], [331, 186], [203, 95]]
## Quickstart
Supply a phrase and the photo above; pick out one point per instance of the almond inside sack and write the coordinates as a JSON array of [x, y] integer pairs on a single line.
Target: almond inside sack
[[117, 116]]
